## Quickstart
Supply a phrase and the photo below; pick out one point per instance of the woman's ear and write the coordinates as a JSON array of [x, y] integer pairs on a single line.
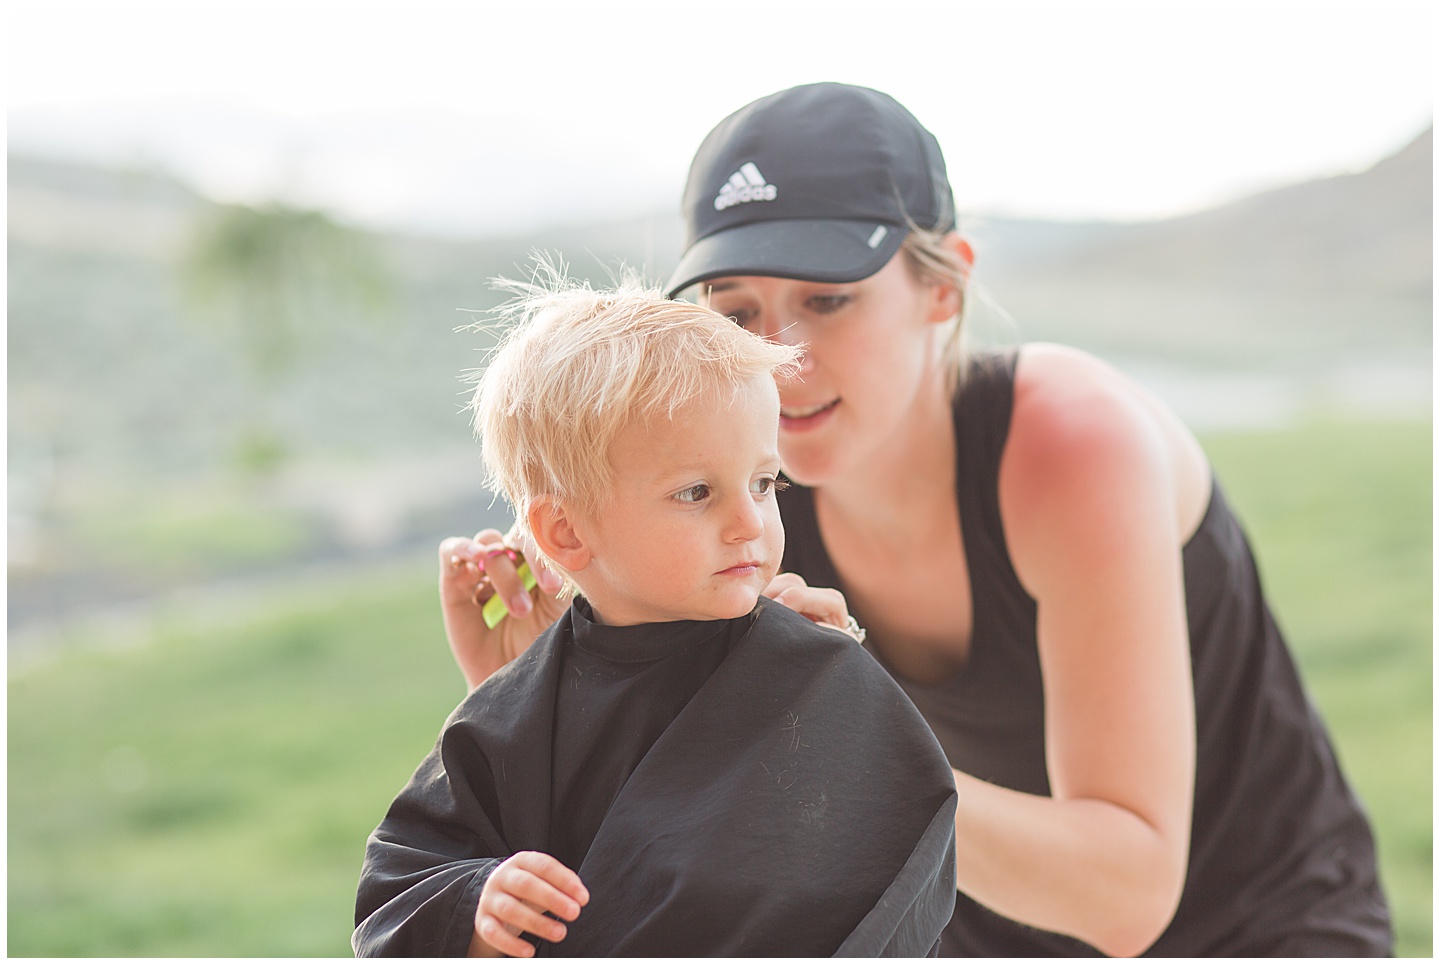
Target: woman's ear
[[948, 299], [553, 527], [962, 248]]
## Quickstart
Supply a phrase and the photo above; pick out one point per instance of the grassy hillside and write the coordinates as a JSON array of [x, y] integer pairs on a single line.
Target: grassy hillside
[[1309, 275], [208, 791], [1299, 277]]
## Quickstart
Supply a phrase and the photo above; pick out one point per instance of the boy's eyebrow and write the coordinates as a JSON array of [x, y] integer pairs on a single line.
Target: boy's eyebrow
[[700, 466], [721, 286]]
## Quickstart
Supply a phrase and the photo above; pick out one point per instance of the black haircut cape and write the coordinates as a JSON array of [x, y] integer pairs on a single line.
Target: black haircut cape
[[797, 805]]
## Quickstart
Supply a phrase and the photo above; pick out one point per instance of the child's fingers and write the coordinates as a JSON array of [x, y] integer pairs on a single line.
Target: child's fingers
[[518, 894], [519, 916], [544, 883], [502, 939]]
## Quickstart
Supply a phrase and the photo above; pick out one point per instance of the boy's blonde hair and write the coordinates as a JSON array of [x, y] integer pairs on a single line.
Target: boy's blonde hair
[[577, 367]]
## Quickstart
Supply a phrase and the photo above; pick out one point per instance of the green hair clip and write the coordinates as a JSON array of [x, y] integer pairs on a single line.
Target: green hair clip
[[495, 609]]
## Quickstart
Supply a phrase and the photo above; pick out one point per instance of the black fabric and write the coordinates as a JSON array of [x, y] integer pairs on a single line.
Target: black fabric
[[619, 689], [1282, 860], [762, 787]]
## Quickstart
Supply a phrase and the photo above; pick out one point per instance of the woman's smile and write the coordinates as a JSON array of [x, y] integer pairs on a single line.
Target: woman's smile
[[799, 418]]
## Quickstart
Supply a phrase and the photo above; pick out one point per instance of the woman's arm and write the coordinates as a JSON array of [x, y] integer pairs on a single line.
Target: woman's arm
[[1093, 495]]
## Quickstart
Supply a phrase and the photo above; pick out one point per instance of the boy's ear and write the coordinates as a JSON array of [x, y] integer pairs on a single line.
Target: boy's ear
[[553, 527]]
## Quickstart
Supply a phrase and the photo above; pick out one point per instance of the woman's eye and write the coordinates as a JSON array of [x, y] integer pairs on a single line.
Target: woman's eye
[[826, 304], [743, 317], [694, 494]]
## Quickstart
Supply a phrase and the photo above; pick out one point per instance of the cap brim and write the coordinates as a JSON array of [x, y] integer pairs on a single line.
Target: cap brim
[[826, 251]]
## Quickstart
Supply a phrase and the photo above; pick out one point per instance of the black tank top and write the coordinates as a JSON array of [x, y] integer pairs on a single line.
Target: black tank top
[[1282, 860]]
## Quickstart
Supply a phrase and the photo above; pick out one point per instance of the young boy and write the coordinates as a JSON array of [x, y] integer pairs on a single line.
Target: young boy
[[678, 766]]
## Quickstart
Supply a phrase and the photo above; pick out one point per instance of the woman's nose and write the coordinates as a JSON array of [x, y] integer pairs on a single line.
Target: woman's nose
[[778, 328]]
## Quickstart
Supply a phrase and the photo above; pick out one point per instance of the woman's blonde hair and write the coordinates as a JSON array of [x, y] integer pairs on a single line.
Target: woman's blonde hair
[[932, 261], [576, 367]]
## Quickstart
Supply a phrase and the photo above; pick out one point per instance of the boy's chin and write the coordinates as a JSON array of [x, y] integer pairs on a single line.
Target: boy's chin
[[734, 603]]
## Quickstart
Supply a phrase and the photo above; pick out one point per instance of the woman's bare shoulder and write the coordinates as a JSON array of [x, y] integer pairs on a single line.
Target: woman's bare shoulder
[[1075, 412], [1085, 439]]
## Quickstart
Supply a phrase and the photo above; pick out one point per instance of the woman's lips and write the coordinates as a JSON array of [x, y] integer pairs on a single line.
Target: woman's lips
[[800, 418]]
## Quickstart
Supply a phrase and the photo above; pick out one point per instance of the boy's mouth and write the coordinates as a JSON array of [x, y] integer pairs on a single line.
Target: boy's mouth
[[747, 568]]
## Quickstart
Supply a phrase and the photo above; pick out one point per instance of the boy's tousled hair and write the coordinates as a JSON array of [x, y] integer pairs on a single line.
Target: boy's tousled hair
[[575, 367]]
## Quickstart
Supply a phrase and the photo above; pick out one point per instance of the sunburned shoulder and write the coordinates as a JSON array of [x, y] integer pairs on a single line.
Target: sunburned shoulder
[[1087, 444], [1073, 411]]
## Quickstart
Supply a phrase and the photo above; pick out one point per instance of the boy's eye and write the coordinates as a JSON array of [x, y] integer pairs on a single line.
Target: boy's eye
[[694, 494], [766, 485]]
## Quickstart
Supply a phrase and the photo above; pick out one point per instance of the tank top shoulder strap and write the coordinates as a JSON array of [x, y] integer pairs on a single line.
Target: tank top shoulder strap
[[982, 410]]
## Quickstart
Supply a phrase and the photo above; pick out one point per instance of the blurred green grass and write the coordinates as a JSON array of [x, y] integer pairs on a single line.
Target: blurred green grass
[[209, 793], [1341, 520]]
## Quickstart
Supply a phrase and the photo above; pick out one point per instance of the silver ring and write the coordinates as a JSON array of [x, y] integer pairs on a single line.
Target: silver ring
[[855, 630]]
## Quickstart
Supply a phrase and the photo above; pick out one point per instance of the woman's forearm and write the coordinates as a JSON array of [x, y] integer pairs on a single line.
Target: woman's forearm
[[1085, 868]]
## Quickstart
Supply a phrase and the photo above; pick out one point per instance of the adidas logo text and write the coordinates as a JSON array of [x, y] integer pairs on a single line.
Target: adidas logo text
[[746, 184]]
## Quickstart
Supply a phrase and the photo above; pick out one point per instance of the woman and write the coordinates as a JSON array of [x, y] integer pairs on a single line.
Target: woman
[[1040, 556]]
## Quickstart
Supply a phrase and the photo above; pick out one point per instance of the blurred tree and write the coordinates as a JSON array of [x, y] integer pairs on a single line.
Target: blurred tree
[[278, 273]]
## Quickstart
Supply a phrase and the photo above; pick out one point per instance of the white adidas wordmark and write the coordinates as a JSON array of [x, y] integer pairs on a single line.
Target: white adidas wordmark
[[746, 184]]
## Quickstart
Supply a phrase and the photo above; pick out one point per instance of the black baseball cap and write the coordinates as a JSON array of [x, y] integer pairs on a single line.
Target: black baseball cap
[[820, 182]]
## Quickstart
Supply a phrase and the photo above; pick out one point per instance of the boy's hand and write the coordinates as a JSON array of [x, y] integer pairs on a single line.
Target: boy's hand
[[514, 900], [473, 570]]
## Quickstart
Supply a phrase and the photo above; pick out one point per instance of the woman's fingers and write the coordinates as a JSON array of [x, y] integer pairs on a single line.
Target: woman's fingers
[[818, 603], [462, 563], [487, 564], [782, 582], [500, 565]]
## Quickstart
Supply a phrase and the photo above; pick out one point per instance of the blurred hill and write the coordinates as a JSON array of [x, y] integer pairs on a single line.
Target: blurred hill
[[1297, 277], [1308, 276], [124, 408]]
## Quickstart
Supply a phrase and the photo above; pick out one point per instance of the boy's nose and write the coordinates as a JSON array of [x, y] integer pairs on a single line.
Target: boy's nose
[[746, 522]]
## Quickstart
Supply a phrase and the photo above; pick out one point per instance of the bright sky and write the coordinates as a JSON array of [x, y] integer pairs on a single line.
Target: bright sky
[[482, 116]]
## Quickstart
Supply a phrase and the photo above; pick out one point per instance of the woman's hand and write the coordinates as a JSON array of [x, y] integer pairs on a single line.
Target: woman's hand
[[819, 604], [472, 571], [516, 898]]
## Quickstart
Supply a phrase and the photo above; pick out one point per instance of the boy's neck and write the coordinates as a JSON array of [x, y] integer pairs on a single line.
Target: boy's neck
[[590, 613]]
